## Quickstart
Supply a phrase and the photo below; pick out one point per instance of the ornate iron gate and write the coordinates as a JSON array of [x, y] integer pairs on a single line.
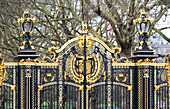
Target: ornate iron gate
[[83, 74]]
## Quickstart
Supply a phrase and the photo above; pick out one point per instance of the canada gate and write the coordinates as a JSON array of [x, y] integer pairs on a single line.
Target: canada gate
[[83, 74]]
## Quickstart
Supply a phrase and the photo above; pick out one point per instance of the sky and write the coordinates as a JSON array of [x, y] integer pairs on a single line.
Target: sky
[[164, 23]]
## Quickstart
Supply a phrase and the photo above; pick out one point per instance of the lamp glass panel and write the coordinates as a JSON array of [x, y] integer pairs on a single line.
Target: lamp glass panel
[[27, 26], [21, 26], [147, 26], [143, 27], [138, 27]]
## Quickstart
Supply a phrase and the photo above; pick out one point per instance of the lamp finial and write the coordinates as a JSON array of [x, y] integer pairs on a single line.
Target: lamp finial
[[143, 11], [84, 27], [26, 12]]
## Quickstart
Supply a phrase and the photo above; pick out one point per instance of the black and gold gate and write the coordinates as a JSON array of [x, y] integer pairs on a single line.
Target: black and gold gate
[[83, 74]]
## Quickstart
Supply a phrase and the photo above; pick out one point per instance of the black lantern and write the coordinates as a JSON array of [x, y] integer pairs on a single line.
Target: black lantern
[[26, 51], [26, 23], [143, 24]]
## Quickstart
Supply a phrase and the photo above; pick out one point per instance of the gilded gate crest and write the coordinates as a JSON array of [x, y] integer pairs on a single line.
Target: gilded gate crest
[[77, 68]]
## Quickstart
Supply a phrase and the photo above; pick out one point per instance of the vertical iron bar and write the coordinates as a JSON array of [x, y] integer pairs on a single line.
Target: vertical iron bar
[[115, 96], [12, 91], [135, 86], [51, 91], [72, 96], [127, 104], [94, 98], [111, 86], [123, 100], [69, 96], [19, 86], [168, 96], [165, 96], [119, 96], [159, 98], [153, 79], [84, 36], [162, 96]]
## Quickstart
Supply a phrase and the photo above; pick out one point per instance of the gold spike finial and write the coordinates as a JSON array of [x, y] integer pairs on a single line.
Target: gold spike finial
[[26, 12], [84, 27], [143, 11]]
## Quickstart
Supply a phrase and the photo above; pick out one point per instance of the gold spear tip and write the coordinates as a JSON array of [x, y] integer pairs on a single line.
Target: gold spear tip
[[26, 12], [143, 11]]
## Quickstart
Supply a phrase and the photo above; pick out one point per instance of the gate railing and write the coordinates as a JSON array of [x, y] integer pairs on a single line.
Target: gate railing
[[52, 87]]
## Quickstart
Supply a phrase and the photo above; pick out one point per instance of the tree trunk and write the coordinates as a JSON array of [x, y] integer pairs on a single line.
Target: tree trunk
[[126, 51]]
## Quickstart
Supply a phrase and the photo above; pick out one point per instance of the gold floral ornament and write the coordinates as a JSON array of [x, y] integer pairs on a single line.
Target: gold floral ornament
[[146, 60], [88, 87], [157, 87], [12, 87], [40, 87], [81, 87], [129, 87], [140, 62]]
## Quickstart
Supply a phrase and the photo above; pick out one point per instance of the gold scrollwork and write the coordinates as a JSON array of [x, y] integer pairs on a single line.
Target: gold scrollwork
[[122, 59], [112, 50], [52, 50], [27, 61], [167, 67], [65, 75], [3, 73], [121, 76], [92, 78], [52, 78], [78, 78], [168, 75]]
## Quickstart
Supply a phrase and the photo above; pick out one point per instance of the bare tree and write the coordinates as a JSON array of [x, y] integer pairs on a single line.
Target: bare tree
[[120, 15], [60, 20]]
